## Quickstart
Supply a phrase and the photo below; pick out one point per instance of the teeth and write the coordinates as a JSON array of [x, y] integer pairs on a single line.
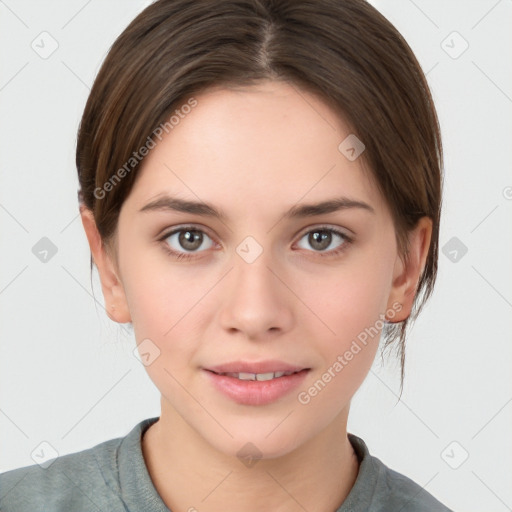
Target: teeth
[[246, 376], [257, 376], [266, 376]]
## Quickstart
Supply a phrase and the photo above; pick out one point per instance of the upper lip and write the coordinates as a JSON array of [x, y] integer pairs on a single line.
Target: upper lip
[[255, 367]]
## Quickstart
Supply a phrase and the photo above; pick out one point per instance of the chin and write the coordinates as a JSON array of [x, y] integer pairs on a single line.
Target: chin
[[255, 439]]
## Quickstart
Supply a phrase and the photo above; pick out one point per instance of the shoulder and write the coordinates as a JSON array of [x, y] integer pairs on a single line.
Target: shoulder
[[83, 480], [383, 489], [401, 491]]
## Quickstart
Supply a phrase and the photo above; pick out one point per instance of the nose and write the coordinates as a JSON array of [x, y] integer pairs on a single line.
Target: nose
[[256, 302]]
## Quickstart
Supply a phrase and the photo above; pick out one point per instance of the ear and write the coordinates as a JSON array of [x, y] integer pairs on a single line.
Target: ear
[[407, 275], [113, 291]]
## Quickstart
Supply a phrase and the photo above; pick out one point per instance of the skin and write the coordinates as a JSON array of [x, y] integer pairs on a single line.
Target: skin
[[254, 153]]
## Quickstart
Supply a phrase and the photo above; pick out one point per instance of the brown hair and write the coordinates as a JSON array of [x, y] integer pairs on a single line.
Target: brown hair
[[343, 51]]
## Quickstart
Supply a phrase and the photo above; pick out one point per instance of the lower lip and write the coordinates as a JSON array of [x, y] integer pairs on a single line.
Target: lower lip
[[254, 392]]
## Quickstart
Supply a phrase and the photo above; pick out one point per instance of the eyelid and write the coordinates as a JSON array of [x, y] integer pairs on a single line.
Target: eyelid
[[337, 230], [166, 233], [320, 226], [183, 254]]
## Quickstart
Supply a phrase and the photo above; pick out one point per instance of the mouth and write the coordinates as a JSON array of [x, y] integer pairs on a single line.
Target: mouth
[[260, 371], [258, 376], [256, 384]]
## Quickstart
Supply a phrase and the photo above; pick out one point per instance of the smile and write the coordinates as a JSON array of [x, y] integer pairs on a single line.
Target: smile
[[256, 376], [249, 388]]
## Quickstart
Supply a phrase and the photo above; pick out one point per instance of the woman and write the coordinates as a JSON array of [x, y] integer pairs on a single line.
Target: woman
[[260, 186]]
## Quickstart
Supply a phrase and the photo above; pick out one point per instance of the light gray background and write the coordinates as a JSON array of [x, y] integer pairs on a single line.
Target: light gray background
[[67, 373]]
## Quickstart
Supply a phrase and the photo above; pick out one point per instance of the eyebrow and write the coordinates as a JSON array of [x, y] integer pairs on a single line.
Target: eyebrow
[[298, 211]]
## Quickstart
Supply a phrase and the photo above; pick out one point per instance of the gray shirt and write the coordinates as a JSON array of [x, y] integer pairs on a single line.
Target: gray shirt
[[112, 477]]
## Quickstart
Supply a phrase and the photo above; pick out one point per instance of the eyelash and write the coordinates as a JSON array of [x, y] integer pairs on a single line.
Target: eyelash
[[324, 254]]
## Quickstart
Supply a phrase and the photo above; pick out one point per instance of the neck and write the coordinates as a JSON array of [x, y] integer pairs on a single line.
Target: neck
[[191, 475]]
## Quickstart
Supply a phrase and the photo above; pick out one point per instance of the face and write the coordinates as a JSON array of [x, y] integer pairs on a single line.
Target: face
[[266, 285]]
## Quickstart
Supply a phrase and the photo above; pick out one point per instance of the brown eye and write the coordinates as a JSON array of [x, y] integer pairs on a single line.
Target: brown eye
[[190, 240], [186, 240], [324, 240], [320, 240]]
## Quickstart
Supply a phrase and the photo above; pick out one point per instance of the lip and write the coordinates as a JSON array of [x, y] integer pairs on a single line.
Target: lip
[[254, 392], [268, 366]]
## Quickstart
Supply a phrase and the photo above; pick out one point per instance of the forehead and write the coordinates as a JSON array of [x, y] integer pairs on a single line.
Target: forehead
[[270, 144]]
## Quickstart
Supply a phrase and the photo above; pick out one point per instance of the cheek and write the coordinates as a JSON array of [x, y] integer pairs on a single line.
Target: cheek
[[350, 302], [169, 305], [163, 306], [351, 297], [351, 309], [158, 293]]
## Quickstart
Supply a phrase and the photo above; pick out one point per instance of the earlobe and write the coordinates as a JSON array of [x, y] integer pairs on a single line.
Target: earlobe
[[116, 305], [407, 273]]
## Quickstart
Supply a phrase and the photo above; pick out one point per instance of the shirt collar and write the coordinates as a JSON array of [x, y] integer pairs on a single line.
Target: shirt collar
[[137, 489]]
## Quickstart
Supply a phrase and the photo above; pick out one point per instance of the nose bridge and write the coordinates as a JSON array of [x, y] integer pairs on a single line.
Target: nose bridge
[[252, 270], [256, 300]]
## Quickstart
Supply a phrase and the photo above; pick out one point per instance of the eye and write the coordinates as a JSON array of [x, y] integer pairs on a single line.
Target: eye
[[326, 241], [187, 239]]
